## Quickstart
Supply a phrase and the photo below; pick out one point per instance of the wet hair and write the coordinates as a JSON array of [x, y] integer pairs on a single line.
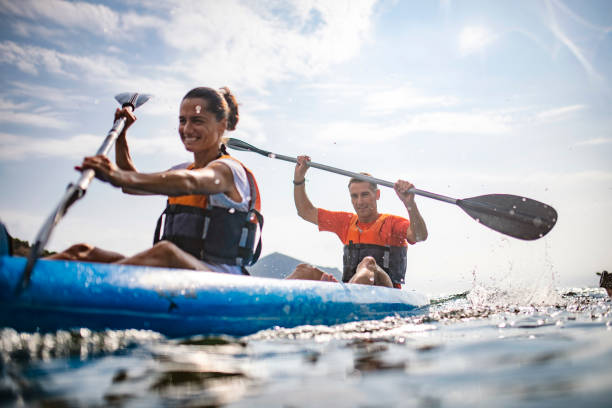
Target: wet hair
[[373, 186], [221, 103]]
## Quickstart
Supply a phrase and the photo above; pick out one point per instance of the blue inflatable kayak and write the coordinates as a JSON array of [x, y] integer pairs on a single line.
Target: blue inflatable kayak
[[178, 303]]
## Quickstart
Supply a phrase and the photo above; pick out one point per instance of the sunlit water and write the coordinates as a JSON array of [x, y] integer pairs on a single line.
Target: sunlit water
[[475, 349]]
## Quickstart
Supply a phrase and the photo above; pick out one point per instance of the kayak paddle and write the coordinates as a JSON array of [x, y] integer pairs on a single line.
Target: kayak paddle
[[512, 215], [77, 190]]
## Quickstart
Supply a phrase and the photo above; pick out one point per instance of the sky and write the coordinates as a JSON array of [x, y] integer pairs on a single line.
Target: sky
[[462, 98]]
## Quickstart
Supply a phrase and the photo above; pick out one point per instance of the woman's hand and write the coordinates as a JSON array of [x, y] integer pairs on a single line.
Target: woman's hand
[[105, 170], [129, 116]]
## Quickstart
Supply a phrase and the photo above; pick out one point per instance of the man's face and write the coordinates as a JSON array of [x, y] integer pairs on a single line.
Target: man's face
[[364, 200]]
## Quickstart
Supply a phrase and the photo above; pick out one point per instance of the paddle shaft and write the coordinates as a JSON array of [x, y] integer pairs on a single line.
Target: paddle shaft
[[471, 205], [72, 194], [363, 177], [516, 216]]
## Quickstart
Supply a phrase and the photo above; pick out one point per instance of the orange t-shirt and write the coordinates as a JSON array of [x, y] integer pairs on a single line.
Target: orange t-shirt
[[393, 231]]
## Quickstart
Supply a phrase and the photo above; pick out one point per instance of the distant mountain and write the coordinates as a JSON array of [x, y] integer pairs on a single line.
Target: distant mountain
[[277, 265]]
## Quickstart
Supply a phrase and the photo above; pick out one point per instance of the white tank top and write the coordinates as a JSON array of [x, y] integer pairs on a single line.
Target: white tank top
[[222, 200]]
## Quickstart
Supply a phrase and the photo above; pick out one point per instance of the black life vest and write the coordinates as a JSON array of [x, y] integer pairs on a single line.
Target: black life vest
[[370, 242], [392, 259], [214, 234]]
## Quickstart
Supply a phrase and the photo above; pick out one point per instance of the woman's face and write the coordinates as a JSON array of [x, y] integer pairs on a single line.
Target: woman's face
[[199, 129]]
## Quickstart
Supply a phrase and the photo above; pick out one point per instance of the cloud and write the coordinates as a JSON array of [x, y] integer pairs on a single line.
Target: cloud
[[30, 59], [94, 18], [559, 112], [46, 93], [25, 114], [401, 98], [432, 122], [263, 43], [473, 39], [561, 34], [595, 142], [380, 99], [18, 147]]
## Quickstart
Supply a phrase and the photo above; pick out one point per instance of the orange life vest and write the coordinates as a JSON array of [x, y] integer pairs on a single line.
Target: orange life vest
[[371, 242]]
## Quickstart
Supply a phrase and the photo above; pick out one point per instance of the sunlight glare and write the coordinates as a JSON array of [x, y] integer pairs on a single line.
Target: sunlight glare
[[473, 39]]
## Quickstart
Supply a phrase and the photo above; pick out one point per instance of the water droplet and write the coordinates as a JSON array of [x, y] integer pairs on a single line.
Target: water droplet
[[272, 156], [217, 181], [523, 199], [511, 212], [537, 221]]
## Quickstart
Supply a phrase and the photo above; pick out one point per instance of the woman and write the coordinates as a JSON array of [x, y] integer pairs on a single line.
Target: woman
[[212, 219]]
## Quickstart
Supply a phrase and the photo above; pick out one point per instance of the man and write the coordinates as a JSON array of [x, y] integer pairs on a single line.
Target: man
[[379, 240]]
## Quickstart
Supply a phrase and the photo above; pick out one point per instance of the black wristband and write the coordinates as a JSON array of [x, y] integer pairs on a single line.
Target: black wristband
[[299, 183]]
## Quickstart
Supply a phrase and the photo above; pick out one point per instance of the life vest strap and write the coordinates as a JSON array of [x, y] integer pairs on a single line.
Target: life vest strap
[[231, 234]]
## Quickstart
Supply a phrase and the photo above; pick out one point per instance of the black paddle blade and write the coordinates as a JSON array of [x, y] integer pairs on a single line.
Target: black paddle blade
[[516, 216], [244, 146]]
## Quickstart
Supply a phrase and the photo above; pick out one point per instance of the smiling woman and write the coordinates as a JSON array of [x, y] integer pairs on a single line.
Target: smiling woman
[[211, 200]]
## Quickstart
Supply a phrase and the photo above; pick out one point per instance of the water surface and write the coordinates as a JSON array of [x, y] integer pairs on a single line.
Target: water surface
[[467, 350]]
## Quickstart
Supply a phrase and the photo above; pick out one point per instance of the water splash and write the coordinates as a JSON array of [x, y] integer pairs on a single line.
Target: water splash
[[81, 343]]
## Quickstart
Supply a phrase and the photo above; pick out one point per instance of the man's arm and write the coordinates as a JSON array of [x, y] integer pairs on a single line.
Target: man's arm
[[418, 230], [304, 207]]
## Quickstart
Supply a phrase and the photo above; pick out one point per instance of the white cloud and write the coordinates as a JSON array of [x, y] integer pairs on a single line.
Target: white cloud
[[18, 147], [562, 35], [24, 114], [473, 39], [14, 147], [401, 98], [433, 122], [95, 18], [245, 44], [46, 93], [595, 142], [30, 59], [559, 112], [261, 45]]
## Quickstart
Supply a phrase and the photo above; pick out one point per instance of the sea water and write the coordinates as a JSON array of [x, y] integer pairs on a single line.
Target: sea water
[[474, 349]]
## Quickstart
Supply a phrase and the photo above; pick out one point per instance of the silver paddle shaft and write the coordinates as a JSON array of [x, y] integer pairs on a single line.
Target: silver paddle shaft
[[363, 177], [88, 174]]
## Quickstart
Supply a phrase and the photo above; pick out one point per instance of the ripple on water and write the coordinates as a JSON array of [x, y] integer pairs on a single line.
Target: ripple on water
[[458, 353]]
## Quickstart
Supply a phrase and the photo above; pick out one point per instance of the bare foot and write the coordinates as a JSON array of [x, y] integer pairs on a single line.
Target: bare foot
[[328, 277]]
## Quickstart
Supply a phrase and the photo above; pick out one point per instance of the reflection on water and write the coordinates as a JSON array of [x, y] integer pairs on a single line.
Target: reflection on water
[[469, 349]]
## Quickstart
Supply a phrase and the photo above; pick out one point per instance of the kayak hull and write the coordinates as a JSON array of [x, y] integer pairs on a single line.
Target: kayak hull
[[179, 303]]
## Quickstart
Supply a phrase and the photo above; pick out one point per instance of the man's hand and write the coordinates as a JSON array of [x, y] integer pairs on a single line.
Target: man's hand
[[301, 167], [402, 188]]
